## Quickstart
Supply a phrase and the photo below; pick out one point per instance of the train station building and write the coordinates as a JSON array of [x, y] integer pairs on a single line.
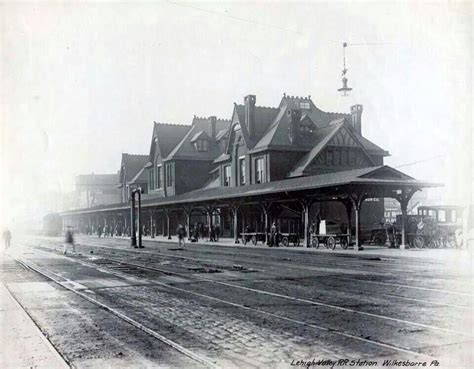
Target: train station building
[[288, 165]]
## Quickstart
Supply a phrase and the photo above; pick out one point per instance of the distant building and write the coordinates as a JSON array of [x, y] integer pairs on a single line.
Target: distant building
[[96, 189], [392, 206]]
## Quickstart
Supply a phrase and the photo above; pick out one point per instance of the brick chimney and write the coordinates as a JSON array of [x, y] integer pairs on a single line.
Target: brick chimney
[[212, 127], [249, 102], [294, 117], [356, 116]]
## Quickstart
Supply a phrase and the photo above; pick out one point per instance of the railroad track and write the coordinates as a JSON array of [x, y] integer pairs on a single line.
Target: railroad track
[[115, 252], [50, 344], [50, 275], [389, 263], [313, 266], [120, 267]]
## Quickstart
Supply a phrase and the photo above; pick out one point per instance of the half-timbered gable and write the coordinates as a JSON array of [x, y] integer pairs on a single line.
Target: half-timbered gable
[[339, 149]]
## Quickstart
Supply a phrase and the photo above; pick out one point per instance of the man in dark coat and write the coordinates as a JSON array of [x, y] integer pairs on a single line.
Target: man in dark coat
[[69, 240]]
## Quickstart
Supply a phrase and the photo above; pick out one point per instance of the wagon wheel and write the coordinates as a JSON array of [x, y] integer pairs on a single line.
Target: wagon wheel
[[451, 241], [296, 241], [344, 243], [444, 241], [331, 243], [431, 244], [254, 240], [419, 242], [244, 240], [284, 241], [437, 243], [379, 239], [315, 242]]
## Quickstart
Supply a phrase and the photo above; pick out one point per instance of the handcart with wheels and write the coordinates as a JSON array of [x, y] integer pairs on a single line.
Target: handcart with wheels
[[253, 237], [330, 241], [287, 238]]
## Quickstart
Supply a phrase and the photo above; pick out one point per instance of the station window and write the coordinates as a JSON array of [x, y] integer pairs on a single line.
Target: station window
[[152, 178], [453, 216], [329, 156], [242, 171], [227, 175], [307, 128], [442, 216], [202, 144], [352, 157], [344, 158], [169, 175], [259, 171], [337, 157], [305, 105], [158, 176]]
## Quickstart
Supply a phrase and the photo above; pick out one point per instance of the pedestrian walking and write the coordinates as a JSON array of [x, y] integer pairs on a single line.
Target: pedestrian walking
[[7, 237], [218, 232], [181, 235], [69, 240], [195, 236], [212, 234], [99, 231]]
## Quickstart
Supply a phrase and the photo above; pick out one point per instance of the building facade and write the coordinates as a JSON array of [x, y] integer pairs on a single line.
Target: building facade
[[96, 189], [288, 164]]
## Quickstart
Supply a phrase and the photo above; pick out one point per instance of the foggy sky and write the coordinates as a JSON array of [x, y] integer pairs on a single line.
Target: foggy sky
[[83, 82]]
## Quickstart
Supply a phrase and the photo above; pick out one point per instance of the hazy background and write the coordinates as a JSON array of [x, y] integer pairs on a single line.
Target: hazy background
[[83, 82]]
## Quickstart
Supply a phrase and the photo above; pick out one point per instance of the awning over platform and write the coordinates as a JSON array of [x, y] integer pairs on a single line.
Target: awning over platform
[[376, 181]]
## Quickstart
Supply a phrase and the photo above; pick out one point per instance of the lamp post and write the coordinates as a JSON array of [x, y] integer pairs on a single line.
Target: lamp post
[[133, 236], [133, 239]]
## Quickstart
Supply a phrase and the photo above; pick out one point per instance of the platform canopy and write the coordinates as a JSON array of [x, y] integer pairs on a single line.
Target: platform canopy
[[380, 181], [350, 187]]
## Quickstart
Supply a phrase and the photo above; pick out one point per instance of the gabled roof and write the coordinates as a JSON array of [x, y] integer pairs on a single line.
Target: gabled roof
[[322, 137], [222, 134], [276, 135], [371, 148], [132, 164], [198, 135], [263, 117], [141, 176], [185, 149], [168, 136]]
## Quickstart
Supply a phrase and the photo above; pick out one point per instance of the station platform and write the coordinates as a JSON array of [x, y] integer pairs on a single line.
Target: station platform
[[22, 343], [367, 250]]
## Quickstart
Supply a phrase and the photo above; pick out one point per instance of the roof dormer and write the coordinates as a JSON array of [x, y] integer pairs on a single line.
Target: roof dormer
[[200, 141]]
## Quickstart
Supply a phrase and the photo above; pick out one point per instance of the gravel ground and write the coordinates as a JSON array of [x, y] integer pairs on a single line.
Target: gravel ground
[[259, 307]]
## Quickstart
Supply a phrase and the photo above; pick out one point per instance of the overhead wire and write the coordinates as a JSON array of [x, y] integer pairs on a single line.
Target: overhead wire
[[233, 17], [419, 161]]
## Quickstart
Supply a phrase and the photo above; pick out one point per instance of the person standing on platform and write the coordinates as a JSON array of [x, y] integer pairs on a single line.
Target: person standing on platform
[[7, 237], [274, 235], [69, 240], [218, 232], [181, 235]]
